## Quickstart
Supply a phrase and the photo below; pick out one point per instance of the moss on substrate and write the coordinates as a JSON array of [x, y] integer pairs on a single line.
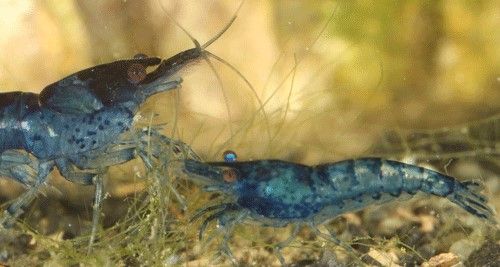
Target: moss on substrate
[[156, 231], [487, 255]]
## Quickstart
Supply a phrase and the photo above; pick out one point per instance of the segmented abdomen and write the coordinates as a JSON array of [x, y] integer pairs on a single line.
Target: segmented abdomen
[[375, 176], [355, 184], [14, 106]]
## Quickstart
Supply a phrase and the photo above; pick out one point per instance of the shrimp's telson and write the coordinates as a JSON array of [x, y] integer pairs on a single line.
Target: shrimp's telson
[[277, 193]]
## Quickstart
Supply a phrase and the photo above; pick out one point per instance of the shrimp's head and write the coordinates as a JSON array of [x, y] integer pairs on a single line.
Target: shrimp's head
[[126, 83], [218, 176]]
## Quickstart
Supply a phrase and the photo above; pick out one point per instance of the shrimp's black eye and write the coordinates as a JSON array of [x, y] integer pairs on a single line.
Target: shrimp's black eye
[[136, 73], [230, 156]]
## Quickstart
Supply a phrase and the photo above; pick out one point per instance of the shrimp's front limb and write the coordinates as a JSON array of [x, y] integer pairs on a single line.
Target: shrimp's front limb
[[18, 164], [16, 209], [228, 216], [203, 211]]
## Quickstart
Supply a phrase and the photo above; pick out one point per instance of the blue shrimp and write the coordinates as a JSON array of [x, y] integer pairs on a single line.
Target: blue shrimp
[[278, 193], [84, 124]]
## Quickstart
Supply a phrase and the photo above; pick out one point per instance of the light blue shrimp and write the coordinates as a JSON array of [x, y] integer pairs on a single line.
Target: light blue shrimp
[[278, 193]]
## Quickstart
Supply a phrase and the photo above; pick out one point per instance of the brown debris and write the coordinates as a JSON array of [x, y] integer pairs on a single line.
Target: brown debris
[[442, 260]]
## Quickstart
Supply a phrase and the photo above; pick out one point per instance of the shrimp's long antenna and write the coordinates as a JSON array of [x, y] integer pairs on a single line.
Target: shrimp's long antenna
[[213, 39], [205, 54], [218, 35], [291, 72]]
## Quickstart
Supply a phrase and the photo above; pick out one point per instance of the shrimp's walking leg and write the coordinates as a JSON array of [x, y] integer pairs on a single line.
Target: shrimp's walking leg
[[224, 248], [227, 223], [332, 238], [115, 156], [18, 164], [228, 216], [86, 177], [95, 177], [119, 153], [16, 208], [96, 209], [281, 245], [201, 212]]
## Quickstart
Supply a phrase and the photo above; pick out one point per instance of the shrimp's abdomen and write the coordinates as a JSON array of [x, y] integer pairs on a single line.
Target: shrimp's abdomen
[[355, 184], [14, 106]]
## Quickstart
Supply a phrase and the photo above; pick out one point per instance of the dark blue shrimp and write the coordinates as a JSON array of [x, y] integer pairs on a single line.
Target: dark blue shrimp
[[277, 193], [83, 124]]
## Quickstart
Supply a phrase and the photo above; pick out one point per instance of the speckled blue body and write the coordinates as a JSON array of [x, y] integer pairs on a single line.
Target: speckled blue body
[[277, 193], [48, 134]]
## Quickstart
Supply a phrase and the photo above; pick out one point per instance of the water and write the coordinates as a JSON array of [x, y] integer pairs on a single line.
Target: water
[[332, 89]]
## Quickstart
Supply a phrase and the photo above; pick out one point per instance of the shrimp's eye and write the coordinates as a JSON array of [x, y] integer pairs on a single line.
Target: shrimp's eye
[[229, 175], [230, 156], [136, 73]]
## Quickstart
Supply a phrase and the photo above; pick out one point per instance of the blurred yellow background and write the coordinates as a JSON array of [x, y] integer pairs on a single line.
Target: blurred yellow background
[[376, 65], [330, 87]]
